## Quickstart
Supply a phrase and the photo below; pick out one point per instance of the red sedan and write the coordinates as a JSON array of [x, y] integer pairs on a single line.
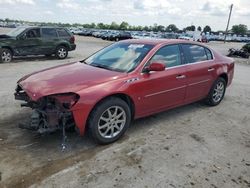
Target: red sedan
[[124, 81]]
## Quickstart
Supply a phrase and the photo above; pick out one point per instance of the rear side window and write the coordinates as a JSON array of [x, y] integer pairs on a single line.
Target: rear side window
[[168, 55], [62, 32], [194, 53], [209, 54], [49, 33]]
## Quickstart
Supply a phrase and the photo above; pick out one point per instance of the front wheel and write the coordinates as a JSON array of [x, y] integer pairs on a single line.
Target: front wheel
[[217, 92], [61, 52], [109, 120], [5, 55]]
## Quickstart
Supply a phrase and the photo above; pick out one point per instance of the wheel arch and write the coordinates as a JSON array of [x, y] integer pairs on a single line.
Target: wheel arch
[[121, 96], [9, 48], [64, 45], [224, 76]]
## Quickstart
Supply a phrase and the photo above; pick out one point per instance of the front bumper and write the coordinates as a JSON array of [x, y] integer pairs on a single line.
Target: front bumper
[[47, 115]]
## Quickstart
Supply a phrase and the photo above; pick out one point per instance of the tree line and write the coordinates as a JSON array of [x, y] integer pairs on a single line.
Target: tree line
[[240, 29]]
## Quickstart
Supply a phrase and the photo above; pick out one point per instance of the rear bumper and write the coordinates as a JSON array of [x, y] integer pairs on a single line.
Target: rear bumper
[[72, 47]]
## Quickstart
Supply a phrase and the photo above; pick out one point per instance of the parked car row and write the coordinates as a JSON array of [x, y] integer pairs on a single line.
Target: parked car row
[[107, 35], [198, 36], [114, 35]]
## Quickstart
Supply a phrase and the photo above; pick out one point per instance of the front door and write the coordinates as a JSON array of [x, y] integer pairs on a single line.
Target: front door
[[161, 90], [29, 42]]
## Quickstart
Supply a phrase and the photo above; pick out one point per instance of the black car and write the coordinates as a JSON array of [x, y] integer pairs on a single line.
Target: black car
[[123, 35], [47, 41]]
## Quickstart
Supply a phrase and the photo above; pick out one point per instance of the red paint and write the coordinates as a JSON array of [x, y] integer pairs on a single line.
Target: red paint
[[150, 92]]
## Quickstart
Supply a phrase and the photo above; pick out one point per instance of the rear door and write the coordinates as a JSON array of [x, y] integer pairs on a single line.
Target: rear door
[[200, 71], [49, 40]]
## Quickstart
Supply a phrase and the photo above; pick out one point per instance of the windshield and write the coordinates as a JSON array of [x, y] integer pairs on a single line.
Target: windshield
[[16, 31], [122, 57]]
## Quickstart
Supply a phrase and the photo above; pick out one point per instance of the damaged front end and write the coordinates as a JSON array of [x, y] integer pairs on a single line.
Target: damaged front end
[[49, 113]]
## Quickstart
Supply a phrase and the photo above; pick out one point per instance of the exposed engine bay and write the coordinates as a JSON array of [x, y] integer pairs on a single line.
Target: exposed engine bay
[[50, 113]]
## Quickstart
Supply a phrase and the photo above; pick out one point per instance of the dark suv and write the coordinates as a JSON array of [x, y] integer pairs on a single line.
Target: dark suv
[[47, 41]]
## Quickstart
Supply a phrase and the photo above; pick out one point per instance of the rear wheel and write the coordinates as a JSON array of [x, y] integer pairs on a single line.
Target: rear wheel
[[217, 92], [61, 52], [5, 55], [109, 120]]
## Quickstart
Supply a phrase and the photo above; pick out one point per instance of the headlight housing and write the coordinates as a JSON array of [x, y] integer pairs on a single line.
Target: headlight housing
[[67, 100]]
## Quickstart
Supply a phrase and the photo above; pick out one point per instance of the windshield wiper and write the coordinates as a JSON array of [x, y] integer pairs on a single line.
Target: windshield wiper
[[100, 66]]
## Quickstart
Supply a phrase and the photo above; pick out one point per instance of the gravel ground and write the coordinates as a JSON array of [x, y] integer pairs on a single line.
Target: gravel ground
[[191, 146]]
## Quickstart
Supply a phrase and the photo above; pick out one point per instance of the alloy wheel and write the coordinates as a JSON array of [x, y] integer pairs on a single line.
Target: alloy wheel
[[6, 56], [112, 122], [218, 91], [61, 52]]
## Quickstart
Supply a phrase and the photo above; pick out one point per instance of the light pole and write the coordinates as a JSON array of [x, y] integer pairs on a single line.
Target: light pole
[[231, 7]]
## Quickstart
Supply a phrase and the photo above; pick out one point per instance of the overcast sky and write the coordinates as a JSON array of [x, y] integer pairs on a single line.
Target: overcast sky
[[135, 12]]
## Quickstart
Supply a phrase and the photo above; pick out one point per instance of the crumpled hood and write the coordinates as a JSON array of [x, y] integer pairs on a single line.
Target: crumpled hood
[[65, 78]]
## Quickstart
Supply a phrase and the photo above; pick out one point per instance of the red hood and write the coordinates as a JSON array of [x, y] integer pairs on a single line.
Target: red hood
[[66, 78]]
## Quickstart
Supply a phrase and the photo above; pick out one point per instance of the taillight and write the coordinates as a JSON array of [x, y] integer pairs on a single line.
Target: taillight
[[72, 39]]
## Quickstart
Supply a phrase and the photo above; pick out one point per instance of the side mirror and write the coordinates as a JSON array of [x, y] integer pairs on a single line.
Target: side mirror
[[155, 66]]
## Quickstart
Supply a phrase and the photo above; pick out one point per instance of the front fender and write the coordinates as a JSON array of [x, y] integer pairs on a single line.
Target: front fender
[[89, 99]]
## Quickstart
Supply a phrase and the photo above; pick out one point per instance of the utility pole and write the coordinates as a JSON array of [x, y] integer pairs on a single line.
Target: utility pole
[[231, 8]]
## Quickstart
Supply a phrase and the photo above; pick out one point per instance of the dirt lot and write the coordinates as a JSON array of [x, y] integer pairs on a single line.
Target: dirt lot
[[191, 146]]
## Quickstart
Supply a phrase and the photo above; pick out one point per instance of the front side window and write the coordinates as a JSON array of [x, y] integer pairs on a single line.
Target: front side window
[[33, 33], [194, 53], [122, 57], [168, 55], [49, 33]]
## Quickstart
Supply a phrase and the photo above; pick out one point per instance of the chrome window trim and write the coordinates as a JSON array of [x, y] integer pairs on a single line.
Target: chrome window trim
[[167, 68]]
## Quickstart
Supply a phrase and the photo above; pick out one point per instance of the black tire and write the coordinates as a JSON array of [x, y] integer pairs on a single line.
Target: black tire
[[212, 99], [61, 52], [6, 55], [100, 111]]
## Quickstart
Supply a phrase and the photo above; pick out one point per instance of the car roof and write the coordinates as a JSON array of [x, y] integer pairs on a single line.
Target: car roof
[[156, 42], [30, 27]]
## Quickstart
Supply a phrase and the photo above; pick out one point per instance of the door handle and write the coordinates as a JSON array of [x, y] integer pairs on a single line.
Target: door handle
[[181, 76], [210, 69]]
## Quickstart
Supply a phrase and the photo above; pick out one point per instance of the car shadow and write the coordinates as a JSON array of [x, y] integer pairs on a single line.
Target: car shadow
[[23, 146], [52, 142], [35, 58]]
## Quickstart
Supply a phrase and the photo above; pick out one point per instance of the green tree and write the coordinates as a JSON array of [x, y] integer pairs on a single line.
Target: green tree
[[172, 28], [146, 28], [160, 28], [100, 26], [124, 25], [207, 28], [190, 28], [199, 28], [114, 26], [240, 29]]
